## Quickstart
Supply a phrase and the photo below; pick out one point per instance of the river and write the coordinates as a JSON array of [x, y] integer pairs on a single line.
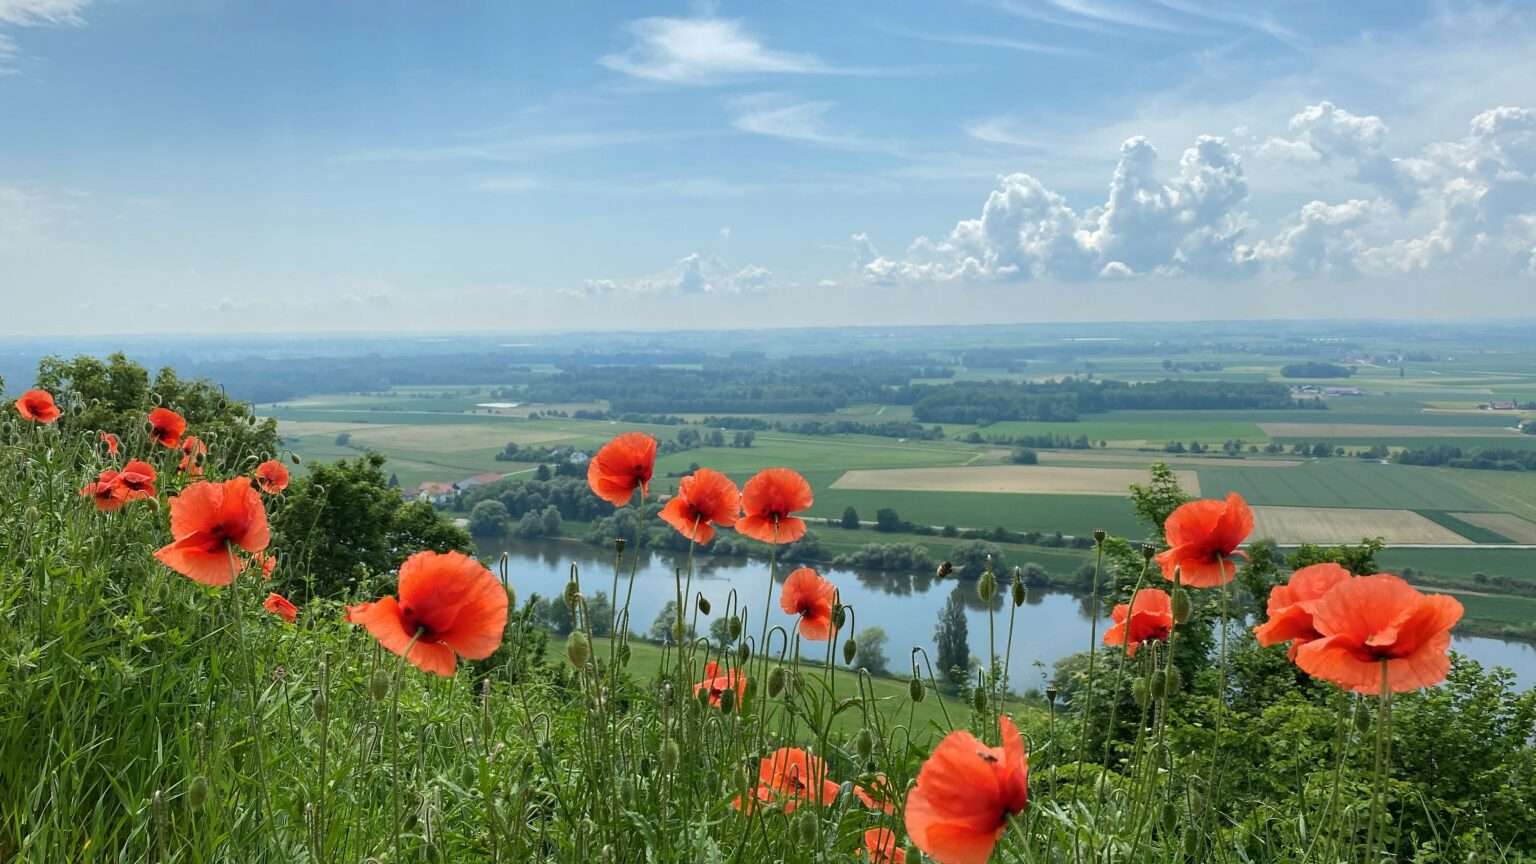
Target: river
[[1049, 626]]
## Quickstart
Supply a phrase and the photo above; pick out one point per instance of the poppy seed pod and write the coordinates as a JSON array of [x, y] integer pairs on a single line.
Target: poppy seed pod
[[986, 587], [378, 685], [1181, 606], [1148, 551], [577, 648], [850, 650], [703, 605], [776, 681], [1098, 535], [916, 690], [1050, 695], [618, 545], [1017, 588]]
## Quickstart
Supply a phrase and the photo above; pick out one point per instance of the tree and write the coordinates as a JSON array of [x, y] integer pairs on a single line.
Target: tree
[[542, 473], [871, 656], [720, 632], [1025, 456], [1157, 500], [488, 519], [850, 519], [394, 480], [344, 439], [970, 558], [550, 517], [341, 524], [530, 527], [952, 638], [662, 628], [887, 520]]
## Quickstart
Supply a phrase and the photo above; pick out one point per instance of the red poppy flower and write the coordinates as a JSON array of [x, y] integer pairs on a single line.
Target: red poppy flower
[[717, 683], [1292, 605], [112, 443], [38, 406], [966, 792], [768, 499], [166, 427], [623, 465], [278, 605], [193, 453], [106, 492], [791, 775], [138, 477], [206, 520], [267, 562], [809, 596], [1204, 536], [272, 476], [1148, 617], [449, 603], [880, 847], [703, 497], [1366, 621], [879, 796]]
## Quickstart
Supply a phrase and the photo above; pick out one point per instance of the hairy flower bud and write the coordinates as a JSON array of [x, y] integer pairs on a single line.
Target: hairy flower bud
[[979, 698], [703, 605], [378, 685], [1140, 692], [733, 627], [727, 700], [571, 595], [916, 690], [1158, 686], [743, 654], [850, 650], [1174, 680], [197, 792], [864, 743], [1181, 606], [839, 616], [1017, 588], [669, 755], [577, 648], [776, 681], [986, 587]]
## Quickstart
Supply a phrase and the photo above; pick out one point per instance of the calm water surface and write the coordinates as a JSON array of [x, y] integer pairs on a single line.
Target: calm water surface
[[1048, 627]]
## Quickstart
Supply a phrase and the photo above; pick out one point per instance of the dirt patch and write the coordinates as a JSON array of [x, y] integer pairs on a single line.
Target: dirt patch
[[1379, 430], [1018, 479], [1122, 458], [1508, 524], [1340, 525]]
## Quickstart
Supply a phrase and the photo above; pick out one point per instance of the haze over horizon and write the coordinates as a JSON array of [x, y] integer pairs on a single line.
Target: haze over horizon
[[171, 166]]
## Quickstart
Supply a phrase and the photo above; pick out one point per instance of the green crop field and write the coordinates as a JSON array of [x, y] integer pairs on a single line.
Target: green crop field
[[1069, 514], [1347, 482]]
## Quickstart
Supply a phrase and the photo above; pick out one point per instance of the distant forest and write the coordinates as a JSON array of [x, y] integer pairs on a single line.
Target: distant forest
[[983, 402]]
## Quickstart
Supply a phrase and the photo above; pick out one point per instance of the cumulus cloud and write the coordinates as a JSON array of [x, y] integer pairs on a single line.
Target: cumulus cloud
[[693, 274], [1467, 203]]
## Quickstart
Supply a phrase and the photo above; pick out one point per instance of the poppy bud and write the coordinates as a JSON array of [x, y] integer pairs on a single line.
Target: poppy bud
[[1159, 685], [1169, 817], [979, 699], [294, 458], [743, 653], [805, 826], [839, 615], [1098, 535], [1362, 721], [197, 792], [986, 587], [703, 605], [945, 568], [1148, 551], [669, 756], [727, 701], [320, 704], [1174, 682], [1181, 606], [734, 627], [911, 852], [850, 650], [378, 685], [1140, 691], [916, 690], [678, 632], [572, 595], [624, 653], [577, 648], [864, 743], [1192, 844], [1019, 594], [776, 681]]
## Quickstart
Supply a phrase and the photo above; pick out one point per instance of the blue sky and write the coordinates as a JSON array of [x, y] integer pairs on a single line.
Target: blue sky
[[223, 165]]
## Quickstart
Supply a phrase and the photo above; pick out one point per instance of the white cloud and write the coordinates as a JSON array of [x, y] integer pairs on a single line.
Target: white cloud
[[693, 274], [705, 50], [774, 115], [30, 13], [1465, 205]]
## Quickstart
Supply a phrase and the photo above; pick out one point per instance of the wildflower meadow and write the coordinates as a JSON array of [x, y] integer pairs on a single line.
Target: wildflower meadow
[[182, 684]]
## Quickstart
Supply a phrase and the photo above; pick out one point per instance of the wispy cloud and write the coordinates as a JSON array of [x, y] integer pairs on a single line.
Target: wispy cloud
[[1235, 14], [706, 50], [31, 13], [982, 40], [511, 147], [772, 115]]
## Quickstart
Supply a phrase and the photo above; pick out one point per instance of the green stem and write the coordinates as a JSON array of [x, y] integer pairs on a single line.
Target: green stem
[[394, 732], [1379, 774]]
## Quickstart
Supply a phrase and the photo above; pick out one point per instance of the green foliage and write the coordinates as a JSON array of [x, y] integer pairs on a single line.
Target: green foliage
[[850, 519], [1157, 500], [1359, 559], [871, 656], [951, 638], [488, 519], [341, 526]]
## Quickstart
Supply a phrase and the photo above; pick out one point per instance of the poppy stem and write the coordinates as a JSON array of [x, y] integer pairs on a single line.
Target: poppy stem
[[1379, 775], [1093, 651], [394, 733], [1341, 753], [263, 793]]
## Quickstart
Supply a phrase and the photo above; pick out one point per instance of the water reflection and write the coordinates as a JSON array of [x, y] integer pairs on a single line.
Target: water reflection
[[906, 605]]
